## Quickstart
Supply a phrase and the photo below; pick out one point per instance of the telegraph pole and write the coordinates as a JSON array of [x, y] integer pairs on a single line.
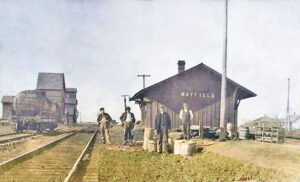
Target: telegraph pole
[[80, 118], [124, 96], [144, 76], [141, 106], [288, 121], [224, 80]]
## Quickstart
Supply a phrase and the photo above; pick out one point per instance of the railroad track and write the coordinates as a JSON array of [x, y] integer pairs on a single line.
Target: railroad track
[[91, 170], [55, 161], [3, 135], [13, 137], [18, 140]]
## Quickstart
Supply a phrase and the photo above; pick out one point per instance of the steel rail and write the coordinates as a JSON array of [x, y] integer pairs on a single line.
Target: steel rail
[[39, 148], [73, 170], [8, 134], [17, 138]]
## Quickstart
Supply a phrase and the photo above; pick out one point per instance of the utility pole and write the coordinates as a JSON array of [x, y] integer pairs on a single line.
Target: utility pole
[[144, 76], [142, 106], [124, 96], [288, 121], [80, 118], [224, 79]]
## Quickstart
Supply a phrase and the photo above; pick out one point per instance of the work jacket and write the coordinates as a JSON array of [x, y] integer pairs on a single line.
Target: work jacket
[[124, 116], [107, 116], [162, 117]]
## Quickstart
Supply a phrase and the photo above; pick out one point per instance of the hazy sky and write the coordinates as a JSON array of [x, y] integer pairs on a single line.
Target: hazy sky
[[101, 45]]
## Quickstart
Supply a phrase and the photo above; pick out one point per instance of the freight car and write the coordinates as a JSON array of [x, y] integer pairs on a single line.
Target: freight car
[[34, 111]]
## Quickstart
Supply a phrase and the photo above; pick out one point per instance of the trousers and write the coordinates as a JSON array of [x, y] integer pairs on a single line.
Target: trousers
[[186, 129], [162, 139], [104, 131], [128, 131]]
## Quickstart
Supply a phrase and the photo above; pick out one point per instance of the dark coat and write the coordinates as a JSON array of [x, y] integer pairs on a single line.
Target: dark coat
[[124, 116], [158, 120], [108, 118]]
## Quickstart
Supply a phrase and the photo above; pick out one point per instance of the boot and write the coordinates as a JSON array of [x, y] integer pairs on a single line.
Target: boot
[[103, 140]]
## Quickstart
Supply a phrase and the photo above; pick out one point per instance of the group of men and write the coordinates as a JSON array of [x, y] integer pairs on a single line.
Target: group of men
[[128, 122], [162, 125]]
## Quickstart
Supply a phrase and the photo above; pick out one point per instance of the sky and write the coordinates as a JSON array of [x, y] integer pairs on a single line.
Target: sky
[[101, 46]]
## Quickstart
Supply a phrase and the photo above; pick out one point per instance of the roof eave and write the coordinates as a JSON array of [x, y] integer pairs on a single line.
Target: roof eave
[[247, 91]]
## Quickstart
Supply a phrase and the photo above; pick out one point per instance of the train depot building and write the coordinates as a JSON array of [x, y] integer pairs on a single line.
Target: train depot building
[[51, 101], [200, 88]]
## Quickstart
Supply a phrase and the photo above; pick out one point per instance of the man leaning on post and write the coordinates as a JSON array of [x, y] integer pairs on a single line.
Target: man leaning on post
[[162, 125], [104, 120]]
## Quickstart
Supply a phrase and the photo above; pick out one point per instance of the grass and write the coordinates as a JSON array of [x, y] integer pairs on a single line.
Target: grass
[[294, 134], [145, 166], [281, 157]]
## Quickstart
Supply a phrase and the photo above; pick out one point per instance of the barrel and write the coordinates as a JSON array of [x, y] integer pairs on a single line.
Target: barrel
[[148, 134], [152, 146], [177, 146], [184, 147], [243, 133], [230, 129], [188, 148]]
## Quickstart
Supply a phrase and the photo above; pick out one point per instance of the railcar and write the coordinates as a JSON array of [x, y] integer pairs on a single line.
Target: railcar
[[34, 111]]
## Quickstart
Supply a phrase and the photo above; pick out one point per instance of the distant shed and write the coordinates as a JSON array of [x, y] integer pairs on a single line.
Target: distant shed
[[7, 106], [200, 88]]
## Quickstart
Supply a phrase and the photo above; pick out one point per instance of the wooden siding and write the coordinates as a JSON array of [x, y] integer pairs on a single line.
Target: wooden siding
[[7, 111], [208, 116], [57, 97]]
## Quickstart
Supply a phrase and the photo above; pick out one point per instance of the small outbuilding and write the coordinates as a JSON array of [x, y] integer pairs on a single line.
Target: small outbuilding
[[7, 107]]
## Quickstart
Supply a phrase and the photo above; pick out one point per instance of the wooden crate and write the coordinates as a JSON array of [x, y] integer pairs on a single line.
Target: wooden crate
[[269, 134]]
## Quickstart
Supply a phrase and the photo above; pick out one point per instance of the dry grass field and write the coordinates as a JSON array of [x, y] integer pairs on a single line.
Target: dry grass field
[[280, 157], [220, 161]]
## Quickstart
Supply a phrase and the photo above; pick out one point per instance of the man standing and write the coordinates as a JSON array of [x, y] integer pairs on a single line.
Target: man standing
[[128, 121], [104, 120], [162, 125], [186, 115]]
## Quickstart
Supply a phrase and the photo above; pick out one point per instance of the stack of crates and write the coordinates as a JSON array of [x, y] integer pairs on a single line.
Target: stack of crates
[[269, 134]]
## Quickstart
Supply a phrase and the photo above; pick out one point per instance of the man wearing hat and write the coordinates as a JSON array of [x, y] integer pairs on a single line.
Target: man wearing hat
[[128, 121], [186, 116], [162, 125], [104, 120]]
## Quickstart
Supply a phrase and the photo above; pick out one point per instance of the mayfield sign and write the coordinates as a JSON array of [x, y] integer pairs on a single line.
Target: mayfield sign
[[197, 95]]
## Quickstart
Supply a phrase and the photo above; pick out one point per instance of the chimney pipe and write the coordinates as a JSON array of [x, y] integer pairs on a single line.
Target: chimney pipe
[[181, 66]]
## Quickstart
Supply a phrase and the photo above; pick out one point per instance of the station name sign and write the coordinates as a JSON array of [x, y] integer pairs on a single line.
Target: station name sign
[[198, 94]]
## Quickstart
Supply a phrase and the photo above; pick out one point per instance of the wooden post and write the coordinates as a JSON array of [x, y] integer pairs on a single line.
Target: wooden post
[[200, 129], [272, 134], [224, 80], [124, 96], [235, 108], [263, 130], [144, 81], [288, 109]]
